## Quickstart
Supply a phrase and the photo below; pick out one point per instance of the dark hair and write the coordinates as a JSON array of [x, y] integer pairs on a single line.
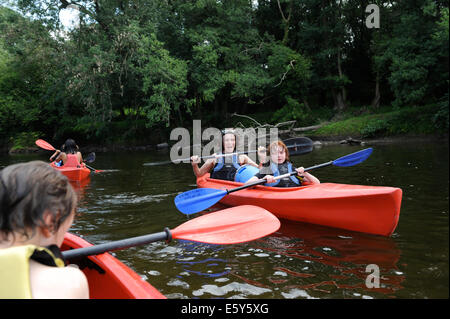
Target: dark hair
[[69, 146], [27, 191]]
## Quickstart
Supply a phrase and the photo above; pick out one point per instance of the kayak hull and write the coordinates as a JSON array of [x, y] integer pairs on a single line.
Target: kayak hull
[[367, 209], [108, 277], [73, 173]]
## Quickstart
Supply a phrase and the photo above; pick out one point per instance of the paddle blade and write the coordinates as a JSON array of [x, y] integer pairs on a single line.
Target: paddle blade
[[354, 158], [43, 144], [90, 158], [198, 199], [229, 226]]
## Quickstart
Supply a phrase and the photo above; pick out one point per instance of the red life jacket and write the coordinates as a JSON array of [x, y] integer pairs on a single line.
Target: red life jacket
[[72, 161]]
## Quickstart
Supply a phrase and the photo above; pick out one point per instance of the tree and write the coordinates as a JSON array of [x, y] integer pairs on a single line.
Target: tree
[[414, 54], [28, 62]]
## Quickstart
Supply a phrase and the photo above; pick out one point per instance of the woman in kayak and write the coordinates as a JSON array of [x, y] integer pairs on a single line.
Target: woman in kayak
[[70, 155], [223, 167], [279, 164], [37, 207]]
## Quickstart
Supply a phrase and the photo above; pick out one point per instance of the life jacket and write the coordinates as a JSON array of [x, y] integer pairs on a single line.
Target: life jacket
[[226, 171], [281, 169], [72, 161], [15, 268]]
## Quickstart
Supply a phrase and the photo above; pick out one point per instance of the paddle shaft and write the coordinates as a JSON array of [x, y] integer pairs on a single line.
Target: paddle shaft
[[117, 245], [91, 168], [214, 156], [237, 153], [262, 181]]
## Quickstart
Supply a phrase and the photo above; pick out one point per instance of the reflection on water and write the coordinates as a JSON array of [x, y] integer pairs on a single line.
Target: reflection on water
[[330, 261], [80, 188], [299, 260]]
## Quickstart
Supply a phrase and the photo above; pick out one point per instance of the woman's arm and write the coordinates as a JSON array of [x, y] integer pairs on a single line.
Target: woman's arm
[[52, 158], [244, 159], [79, 157], [269, 178], [206, 168]]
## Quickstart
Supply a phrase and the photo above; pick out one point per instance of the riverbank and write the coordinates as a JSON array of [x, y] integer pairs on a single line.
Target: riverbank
[[385, 125], [317, 140]]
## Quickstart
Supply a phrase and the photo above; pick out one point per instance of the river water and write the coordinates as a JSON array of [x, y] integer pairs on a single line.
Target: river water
[[299, 260]]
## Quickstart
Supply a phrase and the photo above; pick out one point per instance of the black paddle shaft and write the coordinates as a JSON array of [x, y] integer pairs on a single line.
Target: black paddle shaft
[[117, 245]]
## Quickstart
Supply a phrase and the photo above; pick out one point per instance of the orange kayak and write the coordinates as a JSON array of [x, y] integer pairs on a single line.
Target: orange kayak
[[73, 173], [108, 277], [367, 209]]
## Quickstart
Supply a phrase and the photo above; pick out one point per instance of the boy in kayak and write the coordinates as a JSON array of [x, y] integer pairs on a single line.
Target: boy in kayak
[[279, 164], [70, 155], [37, 206], [223, 167]]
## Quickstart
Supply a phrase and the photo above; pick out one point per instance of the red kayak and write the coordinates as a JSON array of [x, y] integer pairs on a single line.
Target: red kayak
[[367, 209], [73, 173], [109, 278]]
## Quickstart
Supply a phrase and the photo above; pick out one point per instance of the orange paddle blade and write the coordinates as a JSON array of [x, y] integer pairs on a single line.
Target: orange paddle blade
[[229, 226], [43, 144]]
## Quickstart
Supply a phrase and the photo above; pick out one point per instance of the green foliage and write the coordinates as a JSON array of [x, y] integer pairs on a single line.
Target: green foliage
[[293, 110], [411, 120], [164, 81], [136, 66], [24, 140], [377, 127], [416, 55]]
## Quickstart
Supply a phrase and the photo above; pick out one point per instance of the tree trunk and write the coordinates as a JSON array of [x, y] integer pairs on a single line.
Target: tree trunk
[[285, 21], [376, 100], [305, 102], [339, 104], [342, 95]]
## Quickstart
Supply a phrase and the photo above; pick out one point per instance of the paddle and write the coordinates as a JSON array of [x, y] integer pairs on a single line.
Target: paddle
[[301, 145], [89, 158], [229, 226], [199, 199], [43, 144]]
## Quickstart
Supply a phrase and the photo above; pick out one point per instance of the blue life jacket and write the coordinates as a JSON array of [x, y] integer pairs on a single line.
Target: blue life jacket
[[226, 171], [286, 167]]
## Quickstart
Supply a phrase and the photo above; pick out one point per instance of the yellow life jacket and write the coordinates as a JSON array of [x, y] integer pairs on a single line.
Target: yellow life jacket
[[15, 268]]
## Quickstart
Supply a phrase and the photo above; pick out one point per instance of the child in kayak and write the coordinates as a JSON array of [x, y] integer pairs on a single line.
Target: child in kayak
[[37, 206], [279, 164], [223, 167], [69, 156]]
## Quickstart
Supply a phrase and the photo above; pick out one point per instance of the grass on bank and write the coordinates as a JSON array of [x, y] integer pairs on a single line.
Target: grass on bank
[[365, 122], [423, 120]]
